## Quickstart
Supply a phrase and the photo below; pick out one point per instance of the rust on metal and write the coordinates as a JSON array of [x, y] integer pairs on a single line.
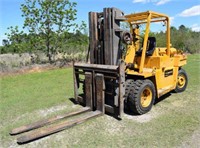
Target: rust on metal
[[88, 90], [112, 18], [100, 95], [75, 83], [103, 79], [44, 122], [112, 84], [97, 66], [56, 128], [93, 37], [121, 88]]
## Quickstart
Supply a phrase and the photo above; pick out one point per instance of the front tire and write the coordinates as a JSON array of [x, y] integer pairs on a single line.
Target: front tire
[[182, 81], [142, 96]]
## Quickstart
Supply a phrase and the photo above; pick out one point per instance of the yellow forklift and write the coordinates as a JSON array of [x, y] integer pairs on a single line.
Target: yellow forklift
[[124, 68], [151, 71]]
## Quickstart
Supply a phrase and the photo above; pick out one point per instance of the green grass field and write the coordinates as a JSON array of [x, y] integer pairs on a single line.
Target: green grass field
[[173, 122]]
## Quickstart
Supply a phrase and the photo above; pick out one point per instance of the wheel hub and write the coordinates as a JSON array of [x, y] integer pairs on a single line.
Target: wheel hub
[[181, 81], [146, 97]]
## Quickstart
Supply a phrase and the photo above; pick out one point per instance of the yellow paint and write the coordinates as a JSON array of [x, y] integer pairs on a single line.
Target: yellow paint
[[136, 33], [146, 97], [181, 81], [130, 54], [145, 43], [162, 67]]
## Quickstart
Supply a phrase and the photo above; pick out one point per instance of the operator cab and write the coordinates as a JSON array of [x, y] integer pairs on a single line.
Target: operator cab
[[151, 46]]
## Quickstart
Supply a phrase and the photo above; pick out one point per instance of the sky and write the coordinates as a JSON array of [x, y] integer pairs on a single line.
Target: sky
[[186, 12]]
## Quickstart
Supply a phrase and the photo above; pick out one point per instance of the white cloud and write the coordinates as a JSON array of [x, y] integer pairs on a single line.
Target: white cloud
[[195, 27], [171, 20], [157, 2], [161, 2], [193, 11], [141, 1]]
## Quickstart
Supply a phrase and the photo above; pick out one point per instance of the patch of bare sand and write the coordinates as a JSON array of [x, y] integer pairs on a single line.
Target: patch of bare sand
[[32, 69], [145, 117], [39, 114], [193, 141], [28, 69], [179, 103], [112, 125], [44, 112], [42, 143]]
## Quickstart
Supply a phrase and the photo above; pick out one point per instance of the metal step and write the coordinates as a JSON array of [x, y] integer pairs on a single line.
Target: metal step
[[56, 128], [44, 122], [164, 90]]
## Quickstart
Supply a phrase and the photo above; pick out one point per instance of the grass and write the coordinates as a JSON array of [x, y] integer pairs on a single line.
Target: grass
[[28, 97]]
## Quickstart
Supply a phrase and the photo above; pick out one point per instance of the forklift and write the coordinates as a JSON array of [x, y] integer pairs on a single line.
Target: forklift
[[124, 69]]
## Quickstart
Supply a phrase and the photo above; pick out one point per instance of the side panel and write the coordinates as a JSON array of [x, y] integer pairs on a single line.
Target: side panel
[[166, 79], [163, 68]]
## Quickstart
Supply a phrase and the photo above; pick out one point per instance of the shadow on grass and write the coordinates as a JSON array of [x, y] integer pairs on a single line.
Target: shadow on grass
[[157, 100], [165, 96], [82, 103], [73, 101], [126, 107]]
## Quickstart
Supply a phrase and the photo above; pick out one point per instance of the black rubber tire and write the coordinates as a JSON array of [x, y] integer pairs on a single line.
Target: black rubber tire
[[184, 76], [129, 85], [135, 96]]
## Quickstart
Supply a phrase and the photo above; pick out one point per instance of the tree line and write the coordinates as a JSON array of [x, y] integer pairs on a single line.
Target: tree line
[[182, 38], [51, 28], [19, 42]]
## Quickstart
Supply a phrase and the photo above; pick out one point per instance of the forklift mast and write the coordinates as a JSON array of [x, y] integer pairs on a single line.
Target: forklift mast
[[104, 36]]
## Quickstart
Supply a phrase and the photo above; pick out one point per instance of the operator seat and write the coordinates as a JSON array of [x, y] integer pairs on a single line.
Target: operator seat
[[151, 47]]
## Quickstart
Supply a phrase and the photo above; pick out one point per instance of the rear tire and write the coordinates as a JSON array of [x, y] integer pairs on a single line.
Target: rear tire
[[129, 84], [182, 81], [142, 96]]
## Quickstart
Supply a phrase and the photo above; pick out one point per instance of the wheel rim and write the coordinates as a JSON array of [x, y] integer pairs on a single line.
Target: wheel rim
[[146, 97], [181, 81]]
